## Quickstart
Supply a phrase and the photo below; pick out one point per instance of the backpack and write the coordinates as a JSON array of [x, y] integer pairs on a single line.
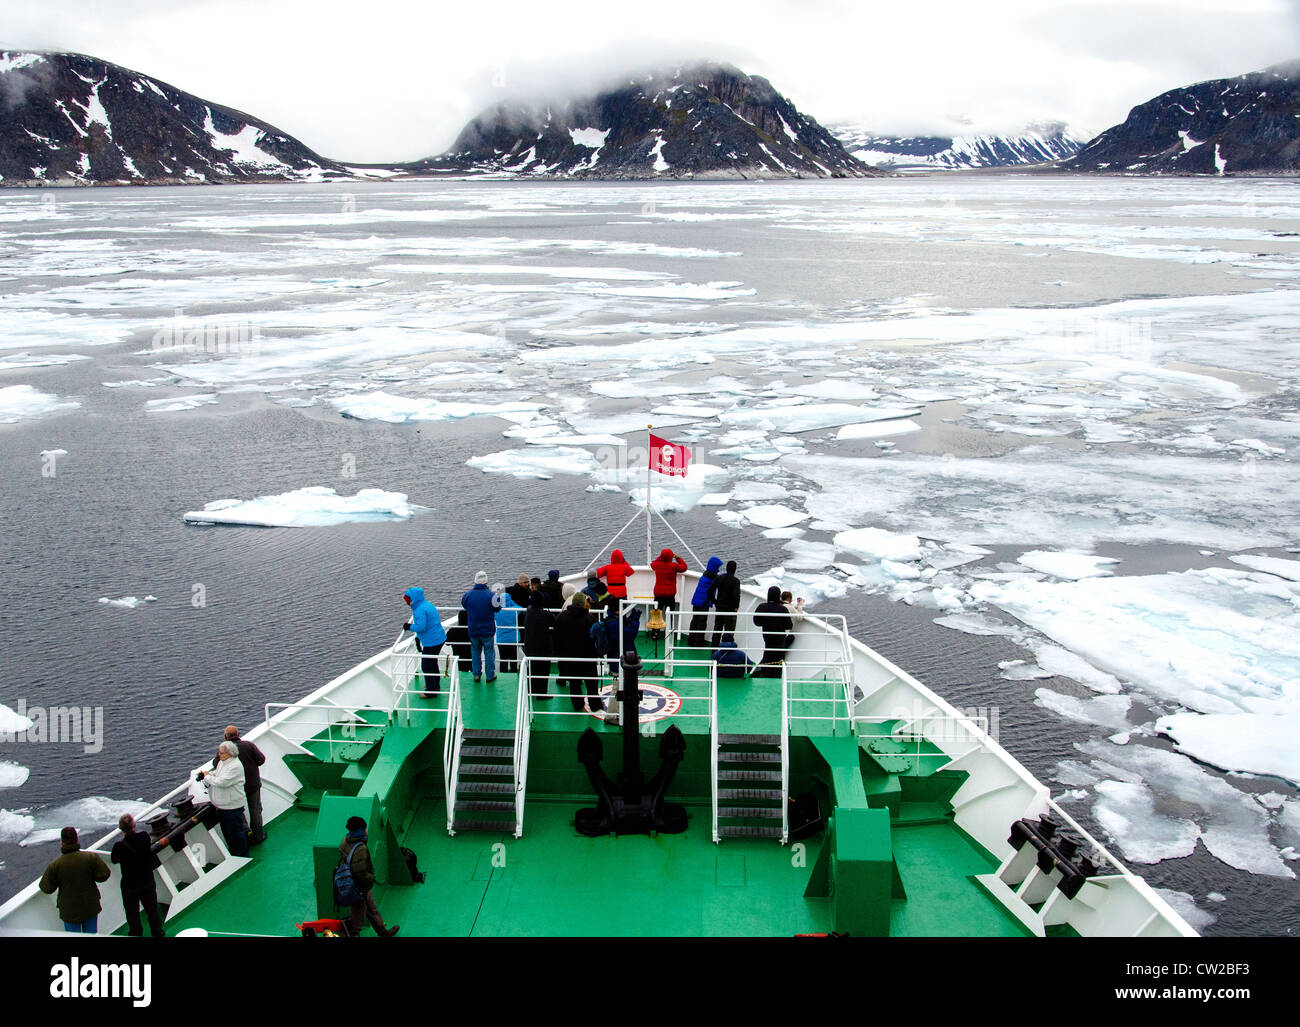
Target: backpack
[[412, 866], [346, 892]]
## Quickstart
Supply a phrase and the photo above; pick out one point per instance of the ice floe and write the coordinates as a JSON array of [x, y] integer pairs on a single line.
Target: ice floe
[[1253, 742], [12, 775], [314, 506], [21, 402], [382, 406], [536, 462], [1070, 566], [127, 602]]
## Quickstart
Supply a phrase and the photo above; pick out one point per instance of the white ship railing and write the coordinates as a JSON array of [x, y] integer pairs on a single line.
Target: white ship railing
[[451, 741], [347, 719], [785, 757], [713, 747], [523, 738]]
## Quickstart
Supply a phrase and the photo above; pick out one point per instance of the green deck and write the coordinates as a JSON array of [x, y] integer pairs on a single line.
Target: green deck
[[554, 881]]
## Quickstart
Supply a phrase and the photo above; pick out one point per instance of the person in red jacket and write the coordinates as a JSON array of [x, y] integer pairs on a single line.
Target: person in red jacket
[[616, 573], [666, 569]]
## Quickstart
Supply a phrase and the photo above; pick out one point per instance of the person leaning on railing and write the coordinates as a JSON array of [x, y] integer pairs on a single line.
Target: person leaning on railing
[[773, 619], [226, 790]]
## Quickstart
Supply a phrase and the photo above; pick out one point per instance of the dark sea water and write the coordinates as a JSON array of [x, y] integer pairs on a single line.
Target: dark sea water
[[286, 609]]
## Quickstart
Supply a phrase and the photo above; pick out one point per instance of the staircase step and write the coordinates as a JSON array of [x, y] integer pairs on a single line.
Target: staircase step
[[749, 832], [750, 794], [475, 733], [499, 752], [481, 787], [496, 826], [488, 769], [749, 740], [749, 757], [760, 812], [749, 775], [484, 806]]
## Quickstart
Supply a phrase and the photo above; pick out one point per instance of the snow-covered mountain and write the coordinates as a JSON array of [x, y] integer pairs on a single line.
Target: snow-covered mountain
[[72, 119], [1038, 144], [703, 120], [1244, 125]]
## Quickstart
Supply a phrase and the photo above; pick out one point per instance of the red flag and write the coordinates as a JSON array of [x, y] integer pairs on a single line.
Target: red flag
[[668, 457]]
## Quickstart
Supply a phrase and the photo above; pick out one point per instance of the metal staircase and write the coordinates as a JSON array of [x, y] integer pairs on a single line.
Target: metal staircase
[[748, 778], [484, 798]]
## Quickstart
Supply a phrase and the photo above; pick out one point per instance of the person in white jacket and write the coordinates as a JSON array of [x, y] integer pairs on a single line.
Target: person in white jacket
[[226, 791]]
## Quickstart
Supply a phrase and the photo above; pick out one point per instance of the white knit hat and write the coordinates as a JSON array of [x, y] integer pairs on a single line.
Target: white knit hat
[[480, 578], [498, 587]]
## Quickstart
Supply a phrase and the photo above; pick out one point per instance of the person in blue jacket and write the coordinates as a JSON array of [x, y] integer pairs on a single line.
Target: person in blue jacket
[[481, 605], [700, 603], [426, 625], [509, 618], [731, 659]]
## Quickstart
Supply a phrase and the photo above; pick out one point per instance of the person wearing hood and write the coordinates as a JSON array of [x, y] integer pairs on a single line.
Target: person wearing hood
[[731, 659], [667, 569], [568, 591], [596, 590], [226, 791], [553, 590], [576, 652], [356, 854], [508, 620], [773, 619], [700, 603], [538, 645], [519, 591], [615, 574], [76, 876], [481, 604], [430, 636], [724, 597]]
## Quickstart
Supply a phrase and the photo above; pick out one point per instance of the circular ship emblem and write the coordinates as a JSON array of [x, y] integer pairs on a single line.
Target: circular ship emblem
[[657, 702]]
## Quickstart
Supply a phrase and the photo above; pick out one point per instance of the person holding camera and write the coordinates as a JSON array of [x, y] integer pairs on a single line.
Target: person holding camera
[[226, 792]]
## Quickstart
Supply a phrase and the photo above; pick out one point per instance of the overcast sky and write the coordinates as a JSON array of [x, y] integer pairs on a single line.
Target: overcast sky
[[396, 80]]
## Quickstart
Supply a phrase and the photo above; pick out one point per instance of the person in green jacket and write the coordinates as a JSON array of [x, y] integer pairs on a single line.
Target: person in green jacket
[[353, 850], [76, 876]]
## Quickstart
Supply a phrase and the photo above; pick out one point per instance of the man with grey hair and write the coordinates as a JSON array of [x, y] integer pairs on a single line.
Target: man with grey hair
[[138, 860], [226, 790], [250, 758]]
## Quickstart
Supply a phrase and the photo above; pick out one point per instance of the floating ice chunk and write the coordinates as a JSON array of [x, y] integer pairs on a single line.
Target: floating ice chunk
[[751, 491], [877, 429], [774, 516], [574, 440], [879, 544], [54, 452], [1185, 906], [94, 811], [1104, 432], [536, 462], [691, 410], [381, 406], [732, 518], [1107, 711], [848, 391], [1255, 743], [1063, 663], [1232, 825], [809, 555], [1019, 670], [714, 499], [1067, 565], [12, 775], [802, 417], [1289, 569], [1211, 640], [19, 361], [783, 533], [127, 602], [1258, 446], [811, 587], [19, 402], [979, 624], [308, 507], [14, 827], [177, 403], [1126, 812], [11, 723]]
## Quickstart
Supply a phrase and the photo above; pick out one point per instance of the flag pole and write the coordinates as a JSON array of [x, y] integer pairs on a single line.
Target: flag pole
[[647, 493]]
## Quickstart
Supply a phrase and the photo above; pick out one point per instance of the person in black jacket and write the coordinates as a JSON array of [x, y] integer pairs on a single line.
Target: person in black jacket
[[539, 647], [553, 590], [773, 619], [724, 597], [250, 756], [519, 591], [576, 653], [458, 639], [138, 860]]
